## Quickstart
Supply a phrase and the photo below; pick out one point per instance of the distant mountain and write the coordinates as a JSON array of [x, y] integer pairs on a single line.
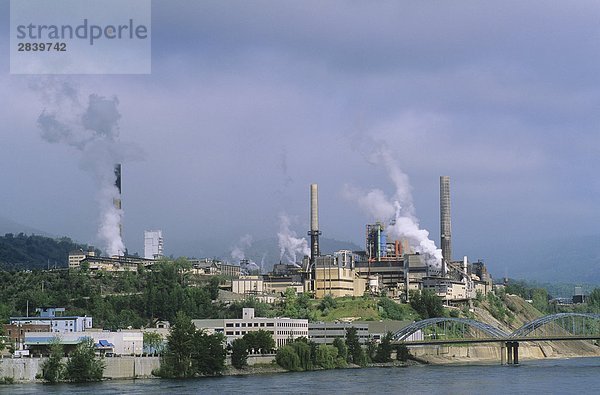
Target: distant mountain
[[21, 251], [10, 226], [565, 260]]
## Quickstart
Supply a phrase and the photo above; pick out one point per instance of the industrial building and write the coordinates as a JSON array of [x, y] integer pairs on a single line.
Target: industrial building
[[124, 342], [213, 267], [113, 264], [56, 323], [49, 320], [76, 256], [335, 275], [153, 244], [327, 332], [283, 329]]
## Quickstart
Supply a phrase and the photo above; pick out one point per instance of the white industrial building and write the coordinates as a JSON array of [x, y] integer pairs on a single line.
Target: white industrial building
[[283, 329], [56, 323], [153, 244], [118, 343]]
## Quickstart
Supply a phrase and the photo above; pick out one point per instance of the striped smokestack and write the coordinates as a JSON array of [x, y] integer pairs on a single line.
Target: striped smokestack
[[117, 200], [445, 222], [118, 177], [314, 223]]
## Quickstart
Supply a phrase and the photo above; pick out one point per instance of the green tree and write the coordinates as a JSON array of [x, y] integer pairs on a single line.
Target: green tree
[[302, 349], [239, 353], [394, 311], [208, 354], [260, 341], [356, 354], [479, 295], [213, 287], [402, 353], [177, 359], [83, 365], [190, 352], [327, 303], [341, 347], [326, 356], [288, 359], [153, 342], [539, 299], [384, 349], [594, 300], [370, 350], [53, 368], [427, 304], [290, 307]]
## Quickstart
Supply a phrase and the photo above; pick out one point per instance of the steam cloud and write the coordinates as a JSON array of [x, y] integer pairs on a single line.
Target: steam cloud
[[93, 130], [238, 252], [290, 245], [398, 212]]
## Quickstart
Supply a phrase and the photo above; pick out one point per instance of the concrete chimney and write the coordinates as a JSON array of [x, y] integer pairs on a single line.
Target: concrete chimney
[[445, 222], [314, 207], [314, 223]]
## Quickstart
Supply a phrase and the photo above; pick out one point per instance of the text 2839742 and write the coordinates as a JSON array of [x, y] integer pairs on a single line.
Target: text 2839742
[[42, 47]]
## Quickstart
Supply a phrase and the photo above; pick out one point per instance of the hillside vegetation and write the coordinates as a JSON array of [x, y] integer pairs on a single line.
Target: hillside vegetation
[[128, 299], [35, 252]]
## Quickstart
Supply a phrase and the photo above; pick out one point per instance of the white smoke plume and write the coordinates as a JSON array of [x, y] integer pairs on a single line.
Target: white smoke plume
[[251, 267], [291, 247], [397, 212], [238, 252], [262, 263], [91, 128]]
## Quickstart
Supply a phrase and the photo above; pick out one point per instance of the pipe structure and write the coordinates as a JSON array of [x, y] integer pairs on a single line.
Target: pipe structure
[[445, 222]]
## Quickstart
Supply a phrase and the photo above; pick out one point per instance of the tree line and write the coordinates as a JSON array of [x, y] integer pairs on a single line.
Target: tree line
[[23, 251], [82, 365], [303, 354]]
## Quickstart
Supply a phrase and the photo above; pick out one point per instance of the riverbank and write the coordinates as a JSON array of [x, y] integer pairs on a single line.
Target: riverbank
[[442, 355], [26, 370]]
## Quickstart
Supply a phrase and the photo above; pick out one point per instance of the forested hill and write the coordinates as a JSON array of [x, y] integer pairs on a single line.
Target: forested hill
[[35, 252]]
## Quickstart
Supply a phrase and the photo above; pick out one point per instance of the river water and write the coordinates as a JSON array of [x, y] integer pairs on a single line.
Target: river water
[[567, 376]]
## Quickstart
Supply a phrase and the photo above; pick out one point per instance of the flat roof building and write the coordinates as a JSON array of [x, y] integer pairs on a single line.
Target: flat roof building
[[153, 244], [283, 329]]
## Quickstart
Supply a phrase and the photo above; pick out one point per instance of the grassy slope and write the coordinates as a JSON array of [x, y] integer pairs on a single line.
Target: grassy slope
[[361, 309]]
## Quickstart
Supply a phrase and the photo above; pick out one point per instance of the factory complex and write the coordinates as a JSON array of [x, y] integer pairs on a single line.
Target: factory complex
[[388, 264]]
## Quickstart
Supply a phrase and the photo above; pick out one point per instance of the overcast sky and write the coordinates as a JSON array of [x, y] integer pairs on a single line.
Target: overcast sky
[[251, 101]]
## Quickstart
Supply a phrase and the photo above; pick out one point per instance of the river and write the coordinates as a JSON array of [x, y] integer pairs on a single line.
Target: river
[[577, 375]]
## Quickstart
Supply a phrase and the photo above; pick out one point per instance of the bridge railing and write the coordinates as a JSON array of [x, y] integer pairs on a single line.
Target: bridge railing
[[557, 325], [449, 328], [561, 324]]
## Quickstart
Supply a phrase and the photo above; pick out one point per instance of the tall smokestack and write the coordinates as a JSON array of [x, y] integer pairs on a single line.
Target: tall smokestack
[[314, 223], [445, 222], [117, 200]]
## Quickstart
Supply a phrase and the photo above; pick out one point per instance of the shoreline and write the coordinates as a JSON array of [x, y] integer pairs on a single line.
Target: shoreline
[[268, 369]]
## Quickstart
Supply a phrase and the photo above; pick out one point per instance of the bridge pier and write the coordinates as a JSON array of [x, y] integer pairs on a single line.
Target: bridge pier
[[502, 353], [512, 353]]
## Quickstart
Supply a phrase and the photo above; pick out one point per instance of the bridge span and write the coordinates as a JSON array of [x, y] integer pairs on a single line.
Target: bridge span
[[446, 331]]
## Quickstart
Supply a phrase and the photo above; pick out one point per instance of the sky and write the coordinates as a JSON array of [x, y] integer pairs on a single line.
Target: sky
[[249, 102]]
